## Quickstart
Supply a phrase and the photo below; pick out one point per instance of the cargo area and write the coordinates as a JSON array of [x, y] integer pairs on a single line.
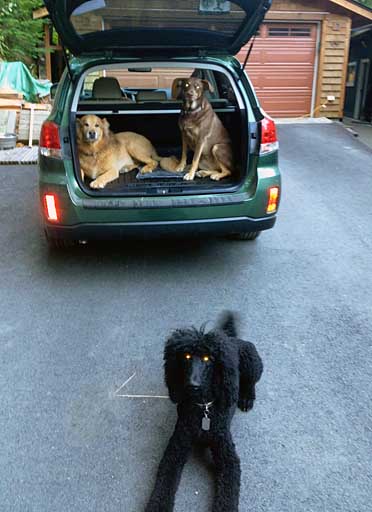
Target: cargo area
[[142, 100]]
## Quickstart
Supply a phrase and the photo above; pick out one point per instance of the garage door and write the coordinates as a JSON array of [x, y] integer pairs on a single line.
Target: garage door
[[281, 67]]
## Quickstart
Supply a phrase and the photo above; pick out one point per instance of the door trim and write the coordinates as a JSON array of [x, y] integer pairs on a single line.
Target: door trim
[[361, 89]]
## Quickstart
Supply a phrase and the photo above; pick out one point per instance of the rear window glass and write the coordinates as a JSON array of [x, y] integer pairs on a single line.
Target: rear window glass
[[126, 82], [204, 15]]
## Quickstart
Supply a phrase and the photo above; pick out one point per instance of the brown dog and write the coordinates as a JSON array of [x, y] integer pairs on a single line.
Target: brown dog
[[203, 132], [103, 154]]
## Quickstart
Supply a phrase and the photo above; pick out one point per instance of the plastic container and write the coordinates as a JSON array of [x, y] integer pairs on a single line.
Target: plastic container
[[8, 141]]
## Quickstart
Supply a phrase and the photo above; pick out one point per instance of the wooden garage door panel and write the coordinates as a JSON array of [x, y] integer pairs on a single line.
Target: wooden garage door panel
[[284, 54], [298, 76], [283, 108], [281, 67], [275, 101]]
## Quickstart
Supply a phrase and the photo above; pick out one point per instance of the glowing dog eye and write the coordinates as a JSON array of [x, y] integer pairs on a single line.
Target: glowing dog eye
[[187, 356], [205, 359], [187, 85]]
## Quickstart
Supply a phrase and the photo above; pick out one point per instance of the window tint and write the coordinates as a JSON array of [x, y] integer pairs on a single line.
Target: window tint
[[210, 15]]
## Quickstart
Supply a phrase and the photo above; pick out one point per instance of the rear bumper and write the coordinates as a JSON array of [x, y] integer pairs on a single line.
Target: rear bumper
[[143, 230]]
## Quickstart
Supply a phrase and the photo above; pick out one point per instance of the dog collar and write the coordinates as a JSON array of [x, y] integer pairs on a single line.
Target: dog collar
[[195, 111], [206, 406], [206, 421]]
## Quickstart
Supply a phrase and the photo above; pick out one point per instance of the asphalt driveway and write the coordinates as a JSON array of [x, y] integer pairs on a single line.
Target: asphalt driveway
[[75, 326]]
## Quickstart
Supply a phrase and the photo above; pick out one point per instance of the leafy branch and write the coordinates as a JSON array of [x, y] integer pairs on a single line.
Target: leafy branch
[[20, 35]]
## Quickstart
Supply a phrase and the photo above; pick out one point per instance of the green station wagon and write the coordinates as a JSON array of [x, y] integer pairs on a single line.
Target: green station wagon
[[126, 56]]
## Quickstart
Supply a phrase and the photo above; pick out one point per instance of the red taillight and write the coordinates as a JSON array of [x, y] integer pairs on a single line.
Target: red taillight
[[273, 200], [269, 139], [50, 204], [50, 144]]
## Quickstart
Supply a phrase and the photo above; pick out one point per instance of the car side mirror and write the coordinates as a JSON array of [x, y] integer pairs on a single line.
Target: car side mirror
[[53, 91]]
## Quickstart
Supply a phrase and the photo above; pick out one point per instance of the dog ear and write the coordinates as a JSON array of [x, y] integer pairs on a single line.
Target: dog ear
[[173, 367], [208, 86], [227, 373], [177, 88], [105, 126], [227, 323]]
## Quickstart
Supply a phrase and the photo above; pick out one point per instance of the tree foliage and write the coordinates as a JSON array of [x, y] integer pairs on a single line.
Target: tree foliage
[[368, 3], [20, 35]]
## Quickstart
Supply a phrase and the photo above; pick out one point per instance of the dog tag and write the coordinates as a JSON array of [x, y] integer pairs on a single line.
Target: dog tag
[[206, 423]]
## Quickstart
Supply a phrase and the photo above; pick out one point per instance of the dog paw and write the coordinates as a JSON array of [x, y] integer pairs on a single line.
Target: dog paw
[[146, 169], [245, 404], [189, 176], [179, 168], [203, 174], [216, 176], [97, 184]]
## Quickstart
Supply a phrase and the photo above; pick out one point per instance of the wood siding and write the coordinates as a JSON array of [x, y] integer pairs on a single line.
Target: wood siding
[[334, 55]]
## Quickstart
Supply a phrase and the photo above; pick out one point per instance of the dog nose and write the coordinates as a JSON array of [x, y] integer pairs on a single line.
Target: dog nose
[[92, 135]]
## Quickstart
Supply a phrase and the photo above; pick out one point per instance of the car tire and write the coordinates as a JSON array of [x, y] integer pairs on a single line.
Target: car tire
[[59, 244], [245, 235]]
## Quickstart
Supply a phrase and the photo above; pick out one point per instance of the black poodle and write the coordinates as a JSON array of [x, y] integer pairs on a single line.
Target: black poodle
[[207, 375]]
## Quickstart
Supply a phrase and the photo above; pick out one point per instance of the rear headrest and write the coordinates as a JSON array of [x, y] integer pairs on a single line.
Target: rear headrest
[[151, 96], [176, 88], [107, 87]]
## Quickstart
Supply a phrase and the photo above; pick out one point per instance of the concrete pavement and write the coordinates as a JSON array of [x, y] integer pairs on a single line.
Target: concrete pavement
[[75, 326], [362, 130]]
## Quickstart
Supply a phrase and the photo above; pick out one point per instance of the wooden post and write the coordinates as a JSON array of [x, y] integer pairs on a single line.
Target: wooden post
[[48, 55], [31, 128], [319, 78], [344, 74]]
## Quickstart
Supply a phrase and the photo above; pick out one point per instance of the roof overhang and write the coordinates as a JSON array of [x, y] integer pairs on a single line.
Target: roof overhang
[[361, 31], [350, 5], [354, 7]]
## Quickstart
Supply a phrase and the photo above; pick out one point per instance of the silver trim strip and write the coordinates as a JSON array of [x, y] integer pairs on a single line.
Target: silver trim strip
[[125, 112]]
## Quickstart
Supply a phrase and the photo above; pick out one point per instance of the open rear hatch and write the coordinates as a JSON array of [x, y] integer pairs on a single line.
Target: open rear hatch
[[156, 27]]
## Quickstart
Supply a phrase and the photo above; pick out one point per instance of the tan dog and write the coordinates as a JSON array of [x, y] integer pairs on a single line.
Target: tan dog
[[203, 132], [103, 154]]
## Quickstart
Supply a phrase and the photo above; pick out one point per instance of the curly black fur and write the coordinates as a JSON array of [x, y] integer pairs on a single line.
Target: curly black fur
[[236, 367]]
